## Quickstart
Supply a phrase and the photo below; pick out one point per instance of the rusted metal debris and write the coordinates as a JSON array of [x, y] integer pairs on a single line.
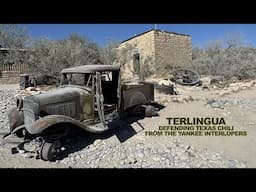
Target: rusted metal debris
[[185, 77]]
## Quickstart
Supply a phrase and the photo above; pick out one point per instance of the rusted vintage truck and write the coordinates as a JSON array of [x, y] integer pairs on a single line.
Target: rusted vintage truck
[[90, 97]]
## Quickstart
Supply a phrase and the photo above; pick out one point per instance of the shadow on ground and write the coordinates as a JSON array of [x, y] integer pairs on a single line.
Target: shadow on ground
[[122, 129]]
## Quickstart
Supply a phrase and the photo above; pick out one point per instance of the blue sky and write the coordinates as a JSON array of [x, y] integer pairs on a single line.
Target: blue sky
[[101, 33]]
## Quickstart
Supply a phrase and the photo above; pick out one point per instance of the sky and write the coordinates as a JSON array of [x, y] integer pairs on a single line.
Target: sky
[[101, 33]]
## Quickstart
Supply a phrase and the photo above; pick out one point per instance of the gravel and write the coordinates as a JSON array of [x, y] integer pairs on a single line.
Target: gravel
[[141, 155], [7, 101], [241, 102], [92, 152]]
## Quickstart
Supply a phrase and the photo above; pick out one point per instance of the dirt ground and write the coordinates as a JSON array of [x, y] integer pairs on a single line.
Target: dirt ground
[[243, 118], [240, 113]]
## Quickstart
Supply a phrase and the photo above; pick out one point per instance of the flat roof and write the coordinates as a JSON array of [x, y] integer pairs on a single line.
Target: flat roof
[[90, 68], [153, 30]]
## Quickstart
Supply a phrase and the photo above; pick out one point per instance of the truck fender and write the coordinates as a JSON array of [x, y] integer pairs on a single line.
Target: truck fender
[[48, 121], [15, 118]]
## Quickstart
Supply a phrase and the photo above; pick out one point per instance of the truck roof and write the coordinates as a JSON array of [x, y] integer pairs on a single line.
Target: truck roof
[[90, 69]]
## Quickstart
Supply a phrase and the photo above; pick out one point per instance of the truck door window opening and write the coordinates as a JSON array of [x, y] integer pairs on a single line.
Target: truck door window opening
[[109, 83]]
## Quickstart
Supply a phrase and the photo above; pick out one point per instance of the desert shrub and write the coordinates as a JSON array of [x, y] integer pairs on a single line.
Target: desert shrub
[[13, 36], [229, 58], [50, 57], [108, 53], [15, 39]]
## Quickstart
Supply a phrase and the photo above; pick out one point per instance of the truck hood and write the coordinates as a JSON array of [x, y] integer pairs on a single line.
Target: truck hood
[[55, 96]]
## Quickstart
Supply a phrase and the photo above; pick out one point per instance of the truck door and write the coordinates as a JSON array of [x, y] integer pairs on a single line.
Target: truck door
[[100, 99]]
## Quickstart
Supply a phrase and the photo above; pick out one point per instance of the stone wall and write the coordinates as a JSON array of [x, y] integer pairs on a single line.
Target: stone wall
[[9, 77], [172, 50], [144, 44], [159, 52]]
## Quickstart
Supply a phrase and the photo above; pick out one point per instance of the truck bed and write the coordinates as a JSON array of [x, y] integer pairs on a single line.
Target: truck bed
[[136, 94]]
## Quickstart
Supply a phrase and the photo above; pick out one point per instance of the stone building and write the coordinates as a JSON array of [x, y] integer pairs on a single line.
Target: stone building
[[154, 52]]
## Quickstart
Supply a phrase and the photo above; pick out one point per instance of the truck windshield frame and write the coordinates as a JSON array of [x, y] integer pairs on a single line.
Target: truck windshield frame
[[77, 79]]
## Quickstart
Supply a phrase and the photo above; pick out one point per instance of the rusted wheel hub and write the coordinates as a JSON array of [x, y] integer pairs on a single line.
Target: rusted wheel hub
[[50, 150], [185, 77]]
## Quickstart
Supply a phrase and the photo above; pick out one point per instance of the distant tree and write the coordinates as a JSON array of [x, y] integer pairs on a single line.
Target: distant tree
[[234, 40], [50, 57], [14, 39], [230, 57], [13, 36], [109, 52]]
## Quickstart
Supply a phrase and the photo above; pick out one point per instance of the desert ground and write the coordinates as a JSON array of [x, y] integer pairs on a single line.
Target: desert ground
[[128, 146]]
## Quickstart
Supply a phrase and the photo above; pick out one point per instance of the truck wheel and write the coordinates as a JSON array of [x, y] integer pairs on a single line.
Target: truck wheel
[[49, 150]]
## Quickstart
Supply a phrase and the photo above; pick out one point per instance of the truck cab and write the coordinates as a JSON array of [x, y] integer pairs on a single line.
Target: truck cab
[[101, 99]]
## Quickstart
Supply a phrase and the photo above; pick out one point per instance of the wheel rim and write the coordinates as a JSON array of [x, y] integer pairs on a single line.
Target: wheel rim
[[50, 150], [193, 77]]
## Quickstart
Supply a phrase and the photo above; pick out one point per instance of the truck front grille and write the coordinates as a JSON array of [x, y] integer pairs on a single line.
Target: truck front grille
[[29, 117], [67, 109]]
